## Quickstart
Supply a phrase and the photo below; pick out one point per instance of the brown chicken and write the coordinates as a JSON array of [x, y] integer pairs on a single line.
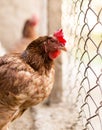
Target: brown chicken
[[27, 78], [29, 34]]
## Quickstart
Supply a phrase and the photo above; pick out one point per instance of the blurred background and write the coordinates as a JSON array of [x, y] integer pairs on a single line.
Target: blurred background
[[76, 99]]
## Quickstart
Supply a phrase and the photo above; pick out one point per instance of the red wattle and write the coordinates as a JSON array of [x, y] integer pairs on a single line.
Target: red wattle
[[54, 54]]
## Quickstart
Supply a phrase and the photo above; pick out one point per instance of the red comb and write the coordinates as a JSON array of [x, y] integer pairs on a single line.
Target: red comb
[[60, 37], [34, 20]]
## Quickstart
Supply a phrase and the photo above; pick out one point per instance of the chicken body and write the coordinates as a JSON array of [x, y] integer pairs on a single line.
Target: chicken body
[[27, 78], [21, 87]]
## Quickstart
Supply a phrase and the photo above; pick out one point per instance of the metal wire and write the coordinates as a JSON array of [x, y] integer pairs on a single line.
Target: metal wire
[[87, 52]]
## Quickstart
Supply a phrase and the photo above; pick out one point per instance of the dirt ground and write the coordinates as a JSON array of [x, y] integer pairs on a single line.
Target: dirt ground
[[54, 117]]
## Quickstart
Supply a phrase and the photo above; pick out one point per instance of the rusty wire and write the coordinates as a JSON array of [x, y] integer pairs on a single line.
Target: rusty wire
[[87, 34]]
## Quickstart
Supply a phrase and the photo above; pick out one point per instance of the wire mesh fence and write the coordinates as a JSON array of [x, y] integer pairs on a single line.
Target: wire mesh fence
[[83, 26]]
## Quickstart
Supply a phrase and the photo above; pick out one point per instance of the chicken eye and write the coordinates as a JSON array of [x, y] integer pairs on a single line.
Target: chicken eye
[[52, 40]]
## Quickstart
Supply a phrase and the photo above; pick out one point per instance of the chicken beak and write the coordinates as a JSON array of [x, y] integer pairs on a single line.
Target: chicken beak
[[63, 48]]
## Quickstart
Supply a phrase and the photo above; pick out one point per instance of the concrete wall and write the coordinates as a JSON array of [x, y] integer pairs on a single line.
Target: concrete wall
[[54, 15]]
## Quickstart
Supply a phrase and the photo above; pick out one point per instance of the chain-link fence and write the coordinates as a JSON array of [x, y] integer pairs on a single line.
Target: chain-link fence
[[82, 22]]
